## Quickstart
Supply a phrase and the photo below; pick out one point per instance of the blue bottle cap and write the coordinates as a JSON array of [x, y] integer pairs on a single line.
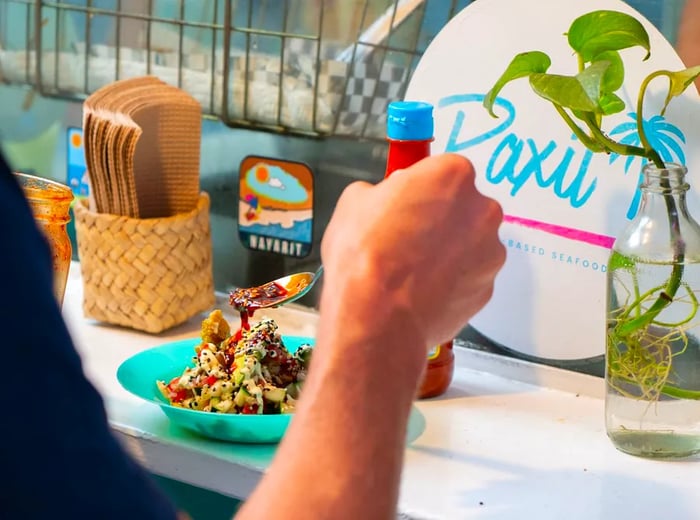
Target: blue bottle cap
[[409, 121]]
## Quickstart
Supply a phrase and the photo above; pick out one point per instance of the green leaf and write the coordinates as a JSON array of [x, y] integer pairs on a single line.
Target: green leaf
[[600, 31], [583, 116], [615, 74], [591, 79], [523, 65], [566, 91], [578, 93], [611, 104], [679, 82]]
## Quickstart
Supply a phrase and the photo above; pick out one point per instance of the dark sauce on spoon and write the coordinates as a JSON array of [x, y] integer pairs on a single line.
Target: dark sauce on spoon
[[247, 301]]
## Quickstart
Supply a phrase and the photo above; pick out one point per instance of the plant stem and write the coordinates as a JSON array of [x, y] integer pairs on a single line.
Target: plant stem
[[637, 303], [679, 393], [653, 155], [674, 281], [635, 279], [671, 391], [626, 330], [691, 315], [664, 300], [613, 146], [585, 139]]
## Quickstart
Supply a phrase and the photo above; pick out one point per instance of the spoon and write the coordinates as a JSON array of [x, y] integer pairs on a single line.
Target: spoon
[[274, 293]]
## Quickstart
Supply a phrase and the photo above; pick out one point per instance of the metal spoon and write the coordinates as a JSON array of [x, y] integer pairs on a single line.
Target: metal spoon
[[275, 293]]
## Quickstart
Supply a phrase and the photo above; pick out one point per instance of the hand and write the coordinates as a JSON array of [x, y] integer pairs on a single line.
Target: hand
[[407, 262], [688, 41], [417, 253]]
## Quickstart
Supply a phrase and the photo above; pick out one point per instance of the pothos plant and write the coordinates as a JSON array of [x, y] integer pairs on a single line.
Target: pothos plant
[[583, 101]]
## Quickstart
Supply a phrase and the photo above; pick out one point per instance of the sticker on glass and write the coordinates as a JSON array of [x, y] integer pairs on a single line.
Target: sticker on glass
[[76, 166], [275, 206]]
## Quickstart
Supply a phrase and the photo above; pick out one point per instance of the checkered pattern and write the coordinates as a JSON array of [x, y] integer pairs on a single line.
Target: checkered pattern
[[315, 84], [356, 95], [369, 91], [261, 100], [318, 93]]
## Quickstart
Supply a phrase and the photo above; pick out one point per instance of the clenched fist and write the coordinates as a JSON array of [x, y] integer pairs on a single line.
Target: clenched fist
[[416, 254]]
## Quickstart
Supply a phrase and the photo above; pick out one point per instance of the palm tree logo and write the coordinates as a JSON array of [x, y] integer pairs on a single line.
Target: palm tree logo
[[664, 137]]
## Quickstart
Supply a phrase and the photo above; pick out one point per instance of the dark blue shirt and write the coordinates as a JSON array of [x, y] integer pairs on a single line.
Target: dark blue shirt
[[57, 454]]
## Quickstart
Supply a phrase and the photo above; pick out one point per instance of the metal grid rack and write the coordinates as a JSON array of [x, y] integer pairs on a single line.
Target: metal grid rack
[[304, 67]]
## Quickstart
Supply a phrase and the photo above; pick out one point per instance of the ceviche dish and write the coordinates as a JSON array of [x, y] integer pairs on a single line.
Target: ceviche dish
[[249, 372]]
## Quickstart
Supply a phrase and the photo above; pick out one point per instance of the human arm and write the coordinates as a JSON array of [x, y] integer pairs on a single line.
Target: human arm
[[688, 44], [407, 263]]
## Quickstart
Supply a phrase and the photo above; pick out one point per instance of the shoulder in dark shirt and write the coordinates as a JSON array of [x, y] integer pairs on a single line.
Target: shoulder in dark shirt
[[57, 451]]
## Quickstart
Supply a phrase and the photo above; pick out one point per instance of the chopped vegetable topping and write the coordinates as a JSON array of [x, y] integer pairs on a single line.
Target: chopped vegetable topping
[[255, 374]]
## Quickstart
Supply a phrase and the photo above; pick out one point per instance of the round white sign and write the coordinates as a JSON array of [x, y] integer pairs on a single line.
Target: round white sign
[[563, 204]]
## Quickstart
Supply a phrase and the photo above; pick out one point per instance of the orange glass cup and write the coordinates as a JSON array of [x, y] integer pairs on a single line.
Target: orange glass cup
[[50, 202]]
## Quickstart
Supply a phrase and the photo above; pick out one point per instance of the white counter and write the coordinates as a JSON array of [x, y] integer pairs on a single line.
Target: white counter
[[510, 440]]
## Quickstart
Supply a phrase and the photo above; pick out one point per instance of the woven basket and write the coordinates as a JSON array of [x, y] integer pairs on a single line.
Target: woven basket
[[146, 274]]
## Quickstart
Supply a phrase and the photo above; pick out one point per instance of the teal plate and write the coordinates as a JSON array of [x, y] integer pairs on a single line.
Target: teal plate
[[139, 374]]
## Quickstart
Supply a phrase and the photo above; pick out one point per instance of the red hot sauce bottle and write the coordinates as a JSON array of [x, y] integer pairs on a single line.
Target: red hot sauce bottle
[[410, 134]]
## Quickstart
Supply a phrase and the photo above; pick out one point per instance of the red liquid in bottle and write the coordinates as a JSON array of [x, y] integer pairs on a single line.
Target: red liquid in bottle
[[413, 122]]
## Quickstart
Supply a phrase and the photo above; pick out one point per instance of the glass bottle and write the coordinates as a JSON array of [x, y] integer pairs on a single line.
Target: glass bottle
[[410, 133], [50, 203], [652, 404]]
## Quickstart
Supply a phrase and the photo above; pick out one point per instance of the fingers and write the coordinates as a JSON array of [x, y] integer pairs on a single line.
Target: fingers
[[444, 164], [454, 164], [493, 248], [453, 169], [352, 192], [430, 218], [347, 203]]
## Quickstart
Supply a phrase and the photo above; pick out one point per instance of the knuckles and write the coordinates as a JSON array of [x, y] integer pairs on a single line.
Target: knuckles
[[458, 164], [352, 195], [494, 212]]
